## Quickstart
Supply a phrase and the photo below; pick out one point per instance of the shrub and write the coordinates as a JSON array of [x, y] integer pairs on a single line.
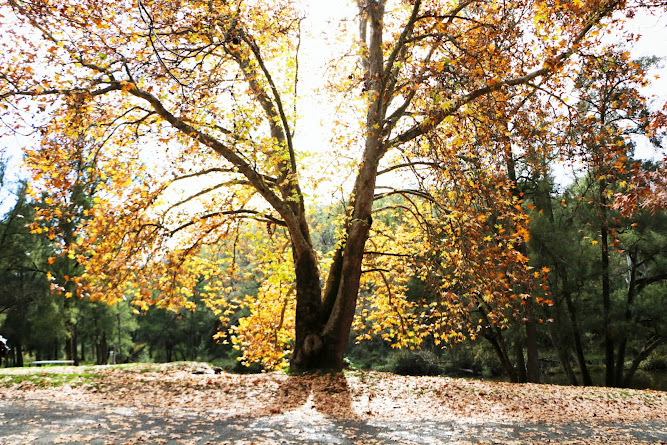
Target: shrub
[[655, 362], [415, 363]]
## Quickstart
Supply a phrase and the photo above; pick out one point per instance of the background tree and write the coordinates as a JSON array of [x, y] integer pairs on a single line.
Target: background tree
[[23, 276], [609, 109]]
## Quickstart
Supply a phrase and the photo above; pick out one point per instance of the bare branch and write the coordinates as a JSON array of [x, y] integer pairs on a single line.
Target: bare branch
[[276, 97], [243, 213], [392, 254], [408, 164], [256, 179]]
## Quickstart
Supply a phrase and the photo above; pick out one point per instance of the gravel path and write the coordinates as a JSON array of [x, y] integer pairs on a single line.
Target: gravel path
[[28, 421]]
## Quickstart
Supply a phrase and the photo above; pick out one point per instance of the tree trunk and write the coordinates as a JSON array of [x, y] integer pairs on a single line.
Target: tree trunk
[[532, 363], [623, 340], [323, 327], [620, 360], [324, 319], [562, 347], [75, 343], [102, 350], [544, 196], [308, 343], [610, 374], [565, 361], [563, 356], [522, 375], [18, 355], [70, 347], [532, 366], [501, 351], [578, 347], [652, 344]]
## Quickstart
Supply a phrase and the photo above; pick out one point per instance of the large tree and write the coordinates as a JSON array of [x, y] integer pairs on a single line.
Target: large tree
[[191, 106]]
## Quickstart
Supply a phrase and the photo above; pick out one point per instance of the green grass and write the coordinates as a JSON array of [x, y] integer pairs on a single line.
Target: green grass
[[135, 367], [49, 379]]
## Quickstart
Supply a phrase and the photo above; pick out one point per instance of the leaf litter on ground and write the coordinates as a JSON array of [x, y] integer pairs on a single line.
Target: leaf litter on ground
[[352, 396]]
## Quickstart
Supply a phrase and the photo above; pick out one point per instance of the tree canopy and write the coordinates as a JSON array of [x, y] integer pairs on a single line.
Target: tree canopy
[[176, 121]]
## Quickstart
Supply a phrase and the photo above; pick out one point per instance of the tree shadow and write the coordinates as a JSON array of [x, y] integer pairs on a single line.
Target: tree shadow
[[329, 394]]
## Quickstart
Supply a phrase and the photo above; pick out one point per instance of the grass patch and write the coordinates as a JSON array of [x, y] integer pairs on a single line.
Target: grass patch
[[48, 380]]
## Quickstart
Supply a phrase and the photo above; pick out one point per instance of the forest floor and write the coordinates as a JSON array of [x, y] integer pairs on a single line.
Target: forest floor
[[187, 403]]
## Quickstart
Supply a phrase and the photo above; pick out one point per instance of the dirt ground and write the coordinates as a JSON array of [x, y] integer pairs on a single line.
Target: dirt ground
[[188, 403]]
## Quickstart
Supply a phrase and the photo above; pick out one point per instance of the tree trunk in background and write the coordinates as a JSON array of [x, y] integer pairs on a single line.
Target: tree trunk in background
[[18, 355], [102, 349], [532, 366], [563, 276], [532, 361], [501, 351], [70, 346], [623, 340], [576, 333], [610, 374], [75, 342], [522, 376], [652, 344], [562, 348], [563, 352]]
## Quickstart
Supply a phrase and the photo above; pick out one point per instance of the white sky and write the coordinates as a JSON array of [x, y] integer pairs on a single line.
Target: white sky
[[653, 30]]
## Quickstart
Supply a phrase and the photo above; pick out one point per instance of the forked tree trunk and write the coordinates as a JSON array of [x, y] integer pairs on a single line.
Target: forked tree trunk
[[324, 318], [323, 326]]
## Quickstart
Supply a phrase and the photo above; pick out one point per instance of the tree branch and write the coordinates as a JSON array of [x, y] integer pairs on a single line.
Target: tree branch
[[255, 178], [408, 164], [548, 68], [252, 214]]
